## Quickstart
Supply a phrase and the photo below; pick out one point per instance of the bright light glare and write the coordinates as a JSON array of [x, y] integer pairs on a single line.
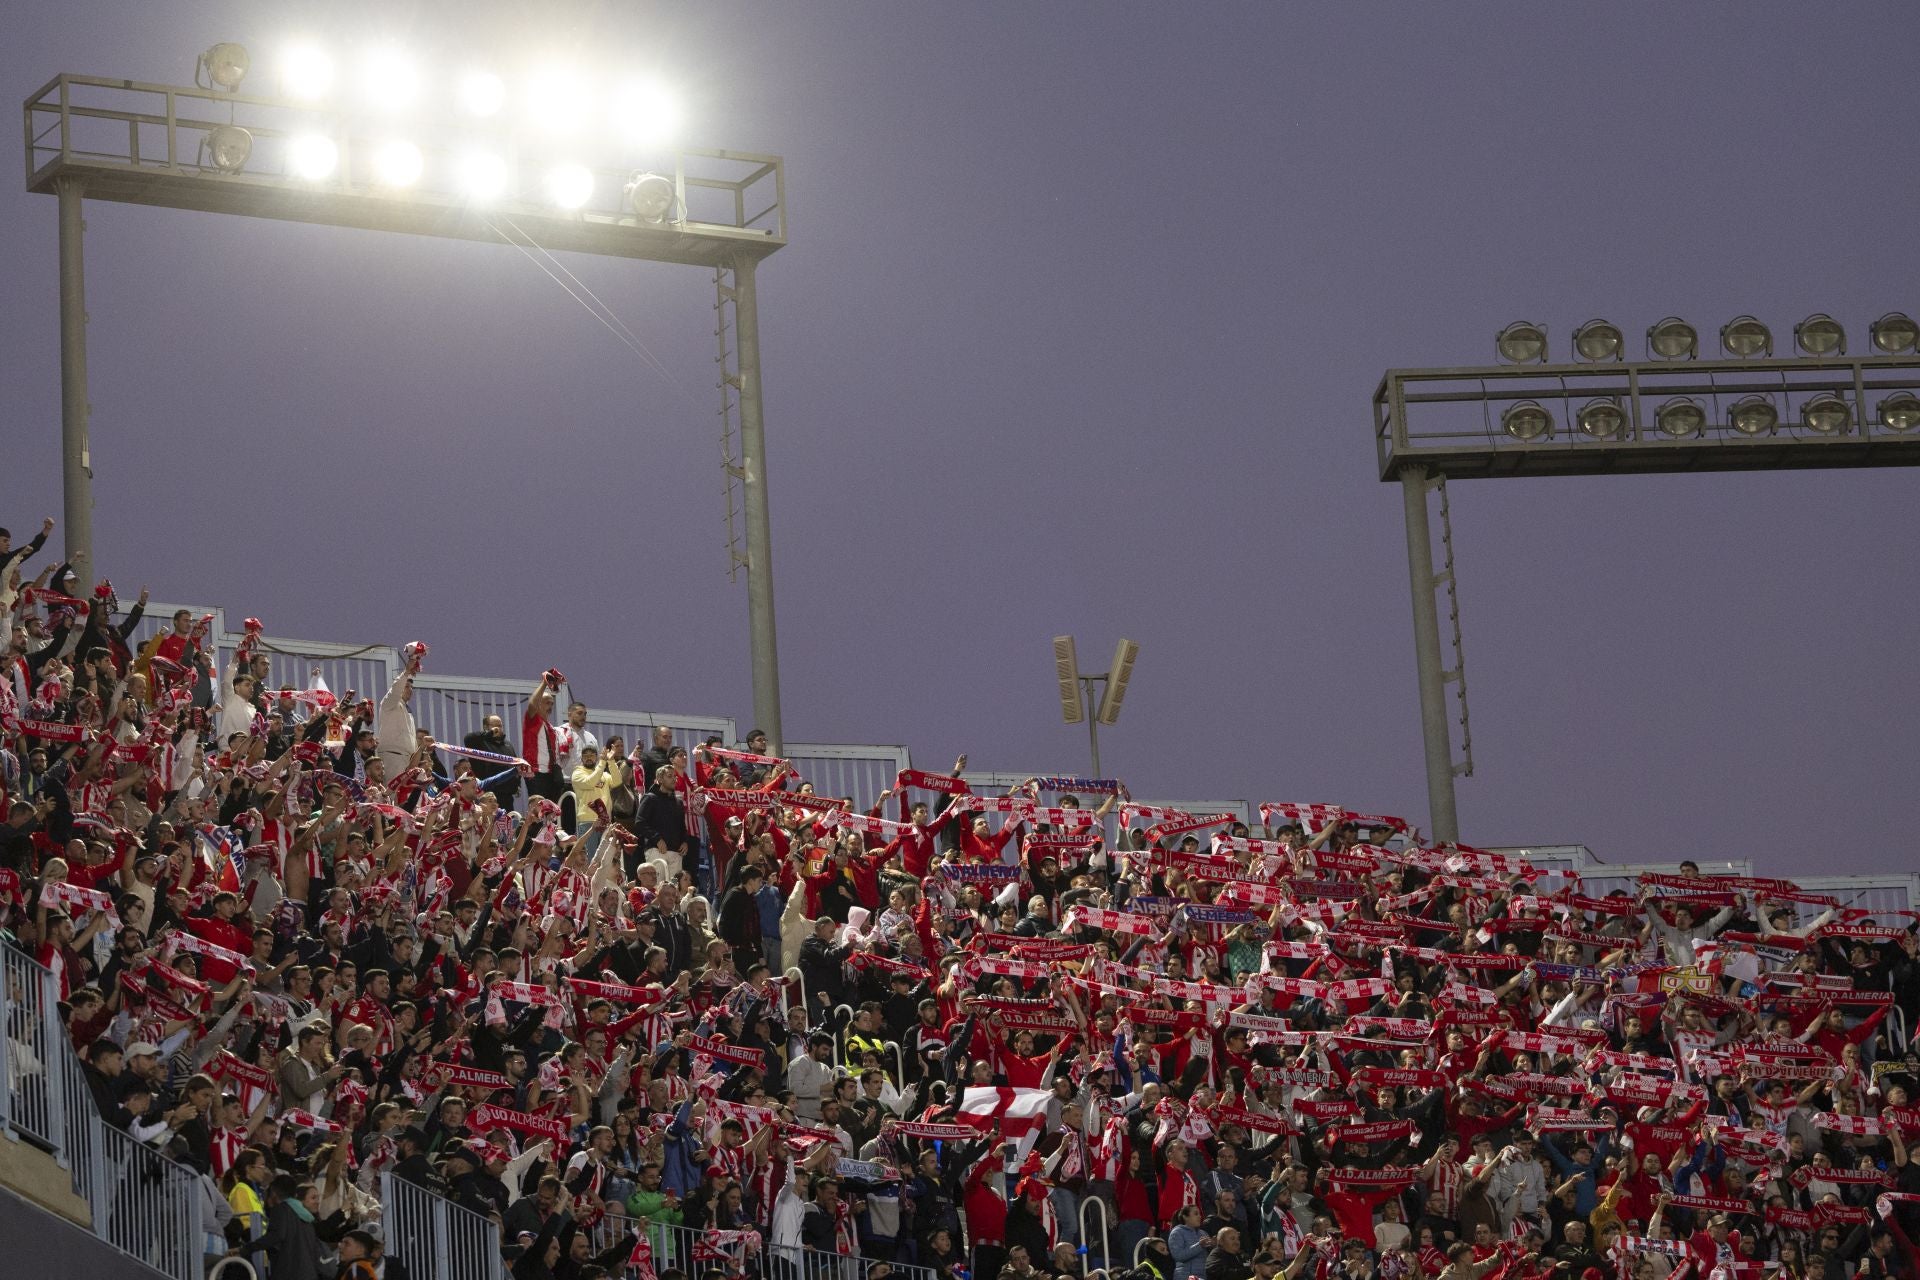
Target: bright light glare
[[556, 100], [398, 163], [482, 93], [646, 111], [312, 156], [482, 175], [390, 79], [306, 72], [570, 185]]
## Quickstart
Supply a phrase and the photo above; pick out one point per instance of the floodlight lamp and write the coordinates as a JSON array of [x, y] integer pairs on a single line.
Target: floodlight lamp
[[650, 196], [1680, 418], [397, 163], [1820, 335], [1602, 419], [1673, 339], [1066, 670], [646, 112], [1526, 421], [389, 79], [228, 146], [1826, 415], [1117, 677], [1900, 412], [570, 185], [306, 72], [1753, 416], [1894, 333], [482, 93], [312, 156], [482, 175], [1596, 341], [1745, 337], [226, 65], [1521, 343]]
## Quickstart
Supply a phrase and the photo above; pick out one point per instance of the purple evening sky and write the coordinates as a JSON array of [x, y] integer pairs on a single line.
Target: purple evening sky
[[1076, 333]]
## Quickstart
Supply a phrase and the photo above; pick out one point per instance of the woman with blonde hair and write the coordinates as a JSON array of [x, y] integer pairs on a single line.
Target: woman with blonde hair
[[338, 1194]]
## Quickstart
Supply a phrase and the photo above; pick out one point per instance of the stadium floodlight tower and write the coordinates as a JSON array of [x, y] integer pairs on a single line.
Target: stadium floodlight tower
[[389, 145], [1076, 689], [1603, 414]]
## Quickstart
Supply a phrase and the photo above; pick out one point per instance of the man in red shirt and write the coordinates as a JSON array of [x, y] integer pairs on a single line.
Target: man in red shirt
[[223, 930]]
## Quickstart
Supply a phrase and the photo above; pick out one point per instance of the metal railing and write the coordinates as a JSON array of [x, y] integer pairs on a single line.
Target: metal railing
[[693, 1252], [31, 1103], [1086, 1236], [143, 1204], [436, 1238], [146, 1206], [450, 707]]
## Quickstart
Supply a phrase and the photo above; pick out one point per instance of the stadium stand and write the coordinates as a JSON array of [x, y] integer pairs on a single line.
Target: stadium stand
[[458, 978]]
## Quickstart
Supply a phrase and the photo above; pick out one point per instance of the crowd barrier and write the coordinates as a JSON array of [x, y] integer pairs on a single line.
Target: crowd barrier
[[143, 1204], [450, 707], [694, 1253], [435, 1238]]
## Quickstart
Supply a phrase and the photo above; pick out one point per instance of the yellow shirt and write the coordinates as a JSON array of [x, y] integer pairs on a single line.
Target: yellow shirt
[[247, 1207], [590, 785]]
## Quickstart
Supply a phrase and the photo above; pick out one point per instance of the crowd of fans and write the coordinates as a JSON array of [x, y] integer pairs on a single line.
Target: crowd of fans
[[671, 1013]]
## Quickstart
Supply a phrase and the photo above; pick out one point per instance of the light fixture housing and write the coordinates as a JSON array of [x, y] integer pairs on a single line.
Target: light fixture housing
[[306, 72], [1894, 333], [570, 185], [1117, 676], [1680, 418], [228, 146], [1753, 416], [1746, 337], [1826, 414], [1596, 342], [225, 65], [398, 163], [1521, 343], [312, 156], [1066, 670], [1527, 421], [1820, 335], [1602, 419], [651, 197], [1673, 339], [1900, 412]]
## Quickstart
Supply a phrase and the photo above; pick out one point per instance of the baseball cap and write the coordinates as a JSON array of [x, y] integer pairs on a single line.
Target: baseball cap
[[143, 1048]]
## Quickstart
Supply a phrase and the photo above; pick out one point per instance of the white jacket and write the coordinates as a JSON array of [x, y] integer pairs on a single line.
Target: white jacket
[[393, 727]]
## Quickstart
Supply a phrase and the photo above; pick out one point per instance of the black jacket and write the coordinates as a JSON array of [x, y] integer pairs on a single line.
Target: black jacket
[[661, 818]]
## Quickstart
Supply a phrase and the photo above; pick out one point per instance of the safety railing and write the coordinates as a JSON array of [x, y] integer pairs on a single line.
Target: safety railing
[[143, 1204], [861, 772], [147, 1206], [31, 1102], [1087, 1237], [450, 707], [435, 1238], [794, 1262], [741, 1253]]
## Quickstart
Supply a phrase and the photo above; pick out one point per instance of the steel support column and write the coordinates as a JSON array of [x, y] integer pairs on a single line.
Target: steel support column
[[76, 460], [1093, 723], [753, 465], [1426, 647]]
